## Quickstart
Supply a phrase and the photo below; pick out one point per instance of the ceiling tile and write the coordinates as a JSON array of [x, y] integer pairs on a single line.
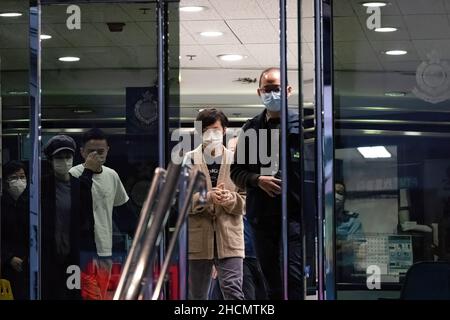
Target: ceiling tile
[[254, 31], [428, 27], [185, 37], [88, 36], [343, 8], [425, 47], [268, 55], [202, 59], [421, 6], [238, 9], [347, 29], [354, 52]]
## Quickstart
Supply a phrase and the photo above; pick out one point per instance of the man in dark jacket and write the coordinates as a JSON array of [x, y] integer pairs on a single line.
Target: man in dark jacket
[[15, 242], [260, 178]]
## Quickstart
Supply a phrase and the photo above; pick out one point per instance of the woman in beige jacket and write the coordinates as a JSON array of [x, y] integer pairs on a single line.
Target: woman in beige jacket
[[216, 235]]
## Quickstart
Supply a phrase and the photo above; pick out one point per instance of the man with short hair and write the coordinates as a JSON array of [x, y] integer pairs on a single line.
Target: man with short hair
[[108, 193], [263, 185]]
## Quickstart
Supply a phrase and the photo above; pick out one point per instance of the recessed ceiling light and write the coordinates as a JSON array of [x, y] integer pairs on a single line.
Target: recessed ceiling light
[[211, 34], [83, 111], [69, 59], [45, 36], [374, 152], [18, 93], [395, 94], [192, 9], [396, 52], [10, 14], [231, 57], [386, 29], [374, 4]]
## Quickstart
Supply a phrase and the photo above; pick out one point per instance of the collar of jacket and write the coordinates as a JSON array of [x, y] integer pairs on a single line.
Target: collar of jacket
[[199, 159], [292, 121]]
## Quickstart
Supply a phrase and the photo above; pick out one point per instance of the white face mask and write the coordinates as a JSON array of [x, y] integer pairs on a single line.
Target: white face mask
[[17, 187], [212, 137], [62, 166]]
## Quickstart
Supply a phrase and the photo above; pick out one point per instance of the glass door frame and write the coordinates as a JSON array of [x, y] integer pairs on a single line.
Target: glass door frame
[[35, 90], [326, 234]]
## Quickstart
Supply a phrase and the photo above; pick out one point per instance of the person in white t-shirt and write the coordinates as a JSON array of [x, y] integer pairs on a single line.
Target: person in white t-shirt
[[108, 193]]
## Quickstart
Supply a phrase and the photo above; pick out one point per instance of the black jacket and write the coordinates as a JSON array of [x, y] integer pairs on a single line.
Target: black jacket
[[245, 175], [15, 242], [81, 235]]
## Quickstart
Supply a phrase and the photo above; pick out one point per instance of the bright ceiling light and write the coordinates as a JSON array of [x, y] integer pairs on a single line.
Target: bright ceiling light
[[18, 93], [386, 29], [45, 36], [396, 52], [10, 14], [374, 4], [192, 9], [395, 94], [231, 57], [211, 34], [374, 152], [69, 59]]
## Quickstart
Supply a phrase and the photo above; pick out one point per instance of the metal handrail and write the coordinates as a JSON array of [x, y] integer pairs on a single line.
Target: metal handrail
[[198, 180], [134, 287], [144, 221]]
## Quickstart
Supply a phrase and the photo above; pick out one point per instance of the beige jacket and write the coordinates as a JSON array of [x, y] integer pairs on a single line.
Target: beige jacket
[[205, 219]]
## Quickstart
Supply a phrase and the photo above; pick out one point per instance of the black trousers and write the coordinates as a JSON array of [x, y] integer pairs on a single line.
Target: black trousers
[[268, 244]]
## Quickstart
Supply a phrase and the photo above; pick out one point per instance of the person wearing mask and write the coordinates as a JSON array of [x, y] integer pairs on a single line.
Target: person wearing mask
[[14, 231], [65, 207], [263, 186], [109, 201], [215, 227], [347, 224], [253, 284]]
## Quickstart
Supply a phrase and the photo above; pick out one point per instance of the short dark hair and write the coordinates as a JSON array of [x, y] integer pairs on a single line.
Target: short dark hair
[[12, 167], [209, 116], [267, 71], [93, 134]]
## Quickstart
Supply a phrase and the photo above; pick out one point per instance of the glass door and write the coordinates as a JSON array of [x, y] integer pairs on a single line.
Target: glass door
[[390, 108]]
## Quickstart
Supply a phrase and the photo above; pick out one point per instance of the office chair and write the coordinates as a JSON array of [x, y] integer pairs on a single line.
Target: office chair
[[427, 281]]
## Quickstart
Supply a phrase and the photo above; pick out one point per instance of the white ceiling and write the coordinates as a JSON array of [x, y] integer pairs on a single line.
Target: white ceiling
[[250, 28]]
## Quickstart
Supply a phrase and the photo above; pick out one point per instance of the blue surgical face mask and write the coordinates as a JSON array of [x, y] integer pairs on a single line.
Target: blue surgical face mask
[[272, 101]]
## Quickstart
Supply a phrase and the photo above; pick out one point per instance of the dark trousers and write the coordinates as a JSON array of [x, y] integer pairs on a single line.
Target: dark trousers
[[268, 243], [253, 284]]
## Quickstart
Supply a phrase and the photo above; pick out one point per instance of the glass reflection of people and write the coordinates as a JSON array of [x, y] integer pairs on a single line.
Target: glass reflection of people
[[65, 203], [216, 232], [109, 201], [347, 224], [15, 239], [263, 188]]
